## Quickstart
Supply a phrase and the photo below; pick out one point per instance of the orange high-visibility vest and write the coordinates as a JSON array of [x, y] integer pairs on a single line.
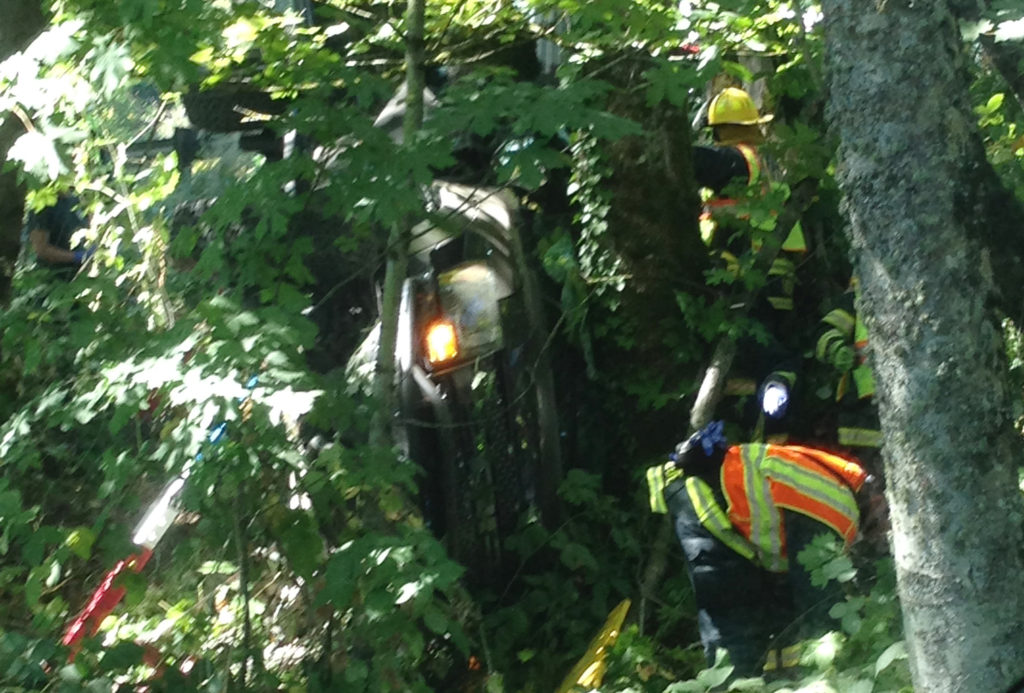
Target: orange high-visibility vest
[[760, 480]]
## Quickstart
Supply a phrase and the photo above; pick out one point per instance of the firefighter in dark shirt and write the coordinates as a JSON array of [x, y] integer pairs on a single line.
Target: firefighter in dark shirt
[[49, 233], [770, 369]]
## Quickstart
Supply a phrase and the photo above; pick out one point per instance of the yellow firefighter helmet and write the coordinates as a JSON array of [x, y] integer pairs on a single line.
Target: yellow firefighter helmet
[[734, 106]]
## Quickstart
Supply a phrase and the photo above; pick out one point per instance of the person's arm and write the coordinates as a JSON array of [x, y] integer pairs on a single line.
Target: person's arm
[[47, 252]]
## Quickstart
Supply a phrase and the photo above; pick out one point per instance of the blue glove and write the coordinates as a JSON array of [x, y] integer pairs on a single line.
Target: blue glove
[[707, 439], [83, 254], [774, 400]]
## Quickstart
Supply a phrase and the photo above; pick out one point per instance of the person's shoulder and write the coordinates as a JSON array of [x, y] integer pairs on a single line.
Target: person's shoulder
[[41, 217]]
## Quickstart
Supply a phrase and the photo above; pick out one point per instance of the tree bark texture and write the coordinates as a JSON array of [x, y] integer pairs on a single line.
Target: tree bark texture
[[652, 231], [910, 168], [22, 22], [653, 217]]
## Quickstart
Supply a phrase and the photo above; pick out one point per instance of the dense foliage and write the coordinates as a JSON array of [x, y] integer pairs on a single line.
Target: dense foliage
[[210, 333]]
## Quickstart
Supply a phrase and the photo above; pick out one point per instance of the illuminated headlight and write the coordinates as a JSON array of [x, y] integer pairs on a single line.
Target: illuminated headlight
[[441, 342]]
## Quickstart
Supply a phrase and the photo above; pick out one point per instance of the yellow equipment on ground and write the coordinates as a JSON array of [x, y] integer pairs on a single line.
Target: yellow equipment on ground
[[589, 670]]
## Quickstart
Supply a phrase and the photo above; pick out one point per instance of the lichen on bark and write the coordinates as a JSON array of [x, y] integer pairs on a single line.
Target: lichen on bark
[[921, 225]]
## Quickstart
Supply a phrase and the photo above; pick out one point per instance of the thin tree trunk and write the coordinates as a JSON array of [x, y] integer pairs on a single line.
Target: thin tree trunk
[[910, 159], [398, 238]]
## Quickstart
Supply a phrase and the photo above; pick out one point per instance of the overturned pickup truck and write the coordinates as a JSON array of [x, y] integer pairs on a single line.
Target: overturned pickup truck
[[475, 393]]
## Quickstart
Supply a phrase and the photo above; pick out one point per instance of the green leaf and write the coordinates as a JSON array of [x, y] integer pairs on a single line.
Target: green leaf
[[340, 579], [34, 587], [121, 656], [35, 546], [301, 543], [134, 585], [898, 650], [356, 671], [692, 686], [714, 677], [217, 568], [435, 620], [10, 503], [576, 556], [992, 105], [38, 153], [121, 416]]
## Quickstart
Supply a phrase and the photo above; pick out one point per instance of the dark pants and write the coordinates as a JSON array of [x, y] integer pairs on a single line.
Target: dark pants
[[742, 608], [811, 603], [736, 601]]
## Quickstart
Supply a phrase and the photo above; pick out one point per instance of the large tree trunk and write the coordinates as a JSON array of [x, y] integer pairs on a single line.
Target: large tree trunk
[[910, 159], [22, 21]]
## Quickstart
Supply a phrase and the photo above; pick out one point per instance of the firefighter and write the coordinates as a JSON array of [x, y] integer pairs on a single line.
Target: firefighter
[[50, 233], [742, 513], [843, 345], [772, 364], [721, 170]]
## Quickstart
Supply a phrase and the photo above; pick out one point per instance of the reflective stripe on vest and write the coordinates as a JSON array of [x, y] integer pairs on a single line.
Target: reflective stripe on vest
[[846, 328], [841, 320], [829, 349], [860, 334], [751, 508], [760, 479], [864, 379], [848, 470], [860, 437], [781, 267], [658, 478], [795, 241], [785, 658], [862, 375], [753, 162], [714, 519]]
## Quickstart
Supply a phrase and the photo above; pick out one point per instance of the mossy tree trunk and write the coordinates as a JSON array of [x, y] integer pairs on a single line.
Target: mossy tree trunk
[[651, 230], [654, 208], [918, 195]]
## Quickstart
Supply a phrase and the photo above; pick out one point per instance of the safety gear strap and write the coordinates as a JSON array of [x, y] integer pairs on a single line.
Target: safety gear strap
[[753, 163], [714, 519], [784, 658], [658, 478]]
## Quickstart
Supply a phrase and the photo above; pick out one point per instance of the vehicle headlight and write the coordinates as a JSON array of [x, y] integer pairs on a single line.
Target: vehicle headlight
[[442, 344]]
